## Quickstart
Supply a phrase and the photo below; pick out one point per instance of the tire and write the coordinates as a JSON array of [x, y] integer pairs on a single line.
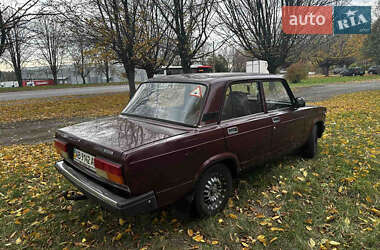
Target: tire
[[310, 148], [213, 190]]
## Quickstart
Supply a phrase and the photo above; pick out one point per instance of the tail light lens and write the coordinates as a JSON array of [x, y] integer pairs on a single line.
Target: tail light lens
[[61, 148], [109, 170]]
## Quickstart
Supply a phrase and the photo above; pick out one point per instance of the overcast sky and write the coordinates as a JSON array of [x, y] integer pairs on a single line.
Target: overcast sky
[[363, 2]]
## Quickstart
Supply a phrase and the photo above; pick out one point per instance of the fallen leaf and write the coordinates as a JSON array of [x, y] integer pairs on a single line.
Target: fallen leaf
[[118, 236], [311, 243], [262, 239], [18, 241], [275, 238], [190, 232], [277, 229], [375, 211], [244, 244], [121, 221], [214, 242], [330, 218], [232, 216], [198, 238], [334, 243], [309, 228]]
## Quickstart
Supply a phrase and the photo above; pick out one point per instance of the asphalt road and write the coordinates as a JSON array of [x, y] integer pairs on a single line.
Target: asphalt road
[[19, 95], [318, 93]]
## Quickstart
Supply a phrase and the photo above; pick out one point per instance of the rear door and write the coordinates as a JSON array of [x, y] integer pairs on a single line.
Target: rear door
[[247, 128], [288, 123]]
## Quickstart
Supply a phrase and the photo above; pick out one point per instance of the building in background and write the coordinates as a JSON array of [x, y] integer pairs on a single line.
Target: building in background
[[69, 74]]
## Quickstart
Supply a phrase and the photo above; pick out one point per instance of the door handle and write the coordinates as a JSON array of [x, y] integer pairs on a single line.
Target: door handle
[[276, 119], [232, 130]]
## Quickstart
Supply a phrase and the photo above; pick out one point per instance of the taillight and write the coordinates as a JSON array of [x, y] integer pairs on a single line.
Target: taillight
[[109, 170], [61, 148]]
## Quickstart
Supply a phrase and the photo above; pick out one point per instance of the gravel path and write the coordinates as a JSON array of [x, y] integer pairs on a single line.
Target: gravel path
[[41, 131]]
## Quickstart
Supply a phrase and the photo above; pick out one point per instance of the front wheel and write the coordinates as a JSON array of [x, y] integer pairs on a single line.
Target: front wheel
[[213, 190], [310, 148]]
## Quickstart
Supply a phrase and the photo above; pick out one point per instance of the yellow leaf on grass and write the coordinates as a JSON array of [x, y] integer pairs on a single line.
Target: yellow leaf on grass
[[311, 243], [220, 221], [275, 238], [334, 243], [230, 203], [276, 209], [198, 238], [347, 221], [190, 232], [260, 216], [375, 211], [262, 239], [309, 228], [214, 242], [309, 221], [84, 240], [95, 227], [340, 189], [244, 244], [330, 218], [300, 178], [118, 236], [18, 241], [121, 221], [369, 199], [277, 229], [233, 216]]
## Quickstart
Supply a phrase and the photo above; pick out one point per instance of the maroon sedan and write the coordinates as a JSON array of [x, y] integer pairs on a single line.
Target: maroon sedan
[[187, 136]]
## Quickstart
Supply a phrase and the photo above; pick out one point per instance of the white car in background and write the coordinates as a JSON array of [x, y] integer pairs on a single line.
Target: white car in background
[[10, 84]]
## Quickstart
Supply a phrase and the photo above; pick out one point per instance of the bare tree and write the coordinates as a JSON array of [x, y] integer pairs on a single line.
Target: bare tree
[[51, 40], [79, 55], [255, 26], [18, 49], [13, 13], [156, 38], [191, 21]]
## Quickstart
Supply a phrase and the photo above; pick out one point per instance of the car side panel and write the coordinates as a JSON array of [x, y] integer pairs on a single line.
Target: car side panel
[[169, 168]]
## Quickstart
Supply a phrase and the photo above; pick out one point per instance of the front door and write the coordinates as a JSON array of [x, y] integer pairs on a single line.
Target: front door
[[247, 128]]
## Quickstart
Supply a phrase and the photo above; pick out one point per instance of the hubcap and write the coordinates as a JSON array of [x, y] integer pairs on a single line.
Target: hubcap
[[214, 192]]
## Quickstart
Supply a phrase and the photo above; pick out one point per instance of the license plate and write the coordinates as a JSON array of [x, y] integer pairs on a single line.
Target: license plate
[[84, 159]]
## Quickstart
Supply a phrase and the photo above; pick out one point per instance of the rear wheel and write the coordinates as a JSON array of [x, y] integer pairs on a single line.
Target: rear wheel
[[213, 190], [310, 148]]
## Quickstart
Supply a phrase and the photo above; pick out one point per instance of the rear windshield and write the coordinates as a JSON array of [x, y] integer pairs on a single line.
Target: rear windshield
[[175, 102]]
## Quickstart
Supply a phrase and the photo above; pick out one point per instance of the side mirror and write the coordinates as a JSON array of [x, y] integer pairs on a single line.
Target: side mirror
[[300, 102]]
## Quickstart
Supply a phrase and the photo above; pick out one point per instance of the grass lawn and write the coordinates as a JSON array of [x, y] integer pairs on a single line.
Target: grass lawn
[[60, 86], [321, 80], [332, 201], [62, 107]]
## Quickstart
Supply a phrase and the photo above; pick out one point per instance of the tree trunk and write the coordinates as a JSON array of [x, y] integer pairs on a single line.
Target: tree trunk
[[107, 71], [272, 67], [130, 70], [19, 77], [83, 78], [54, 72], [185, 63], [150, 72], [325, 70]]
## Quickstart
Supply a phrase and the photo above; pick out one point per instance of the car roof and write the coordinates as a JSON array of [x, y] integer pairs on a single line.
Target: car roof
[[213, 78]]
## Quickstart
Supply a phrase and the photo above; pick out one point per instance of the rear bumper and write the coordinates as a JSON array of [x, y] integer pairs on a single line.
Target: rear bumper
[[128, 206]]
